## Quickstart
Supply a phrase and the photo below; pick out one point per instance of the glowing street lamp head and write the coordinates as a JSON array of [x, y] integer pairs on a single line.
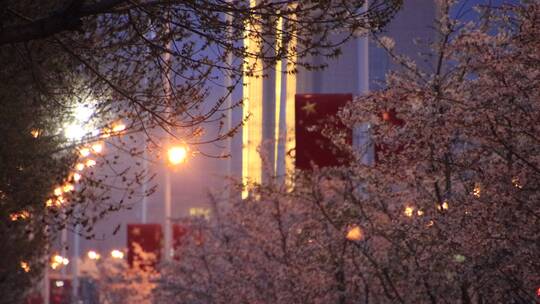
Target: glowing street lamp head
[[83, 112], [74, 131], [117, 254], [177, 154], [93, 255]]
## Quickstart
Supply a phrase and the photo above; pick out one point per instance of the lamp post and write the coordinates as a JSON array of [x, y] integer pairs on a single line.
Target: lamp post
[[176, 155]]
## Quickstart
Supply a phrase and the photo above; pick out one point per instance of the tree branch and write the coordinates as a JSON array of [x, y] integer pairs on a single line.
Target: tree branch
[[67, 19]]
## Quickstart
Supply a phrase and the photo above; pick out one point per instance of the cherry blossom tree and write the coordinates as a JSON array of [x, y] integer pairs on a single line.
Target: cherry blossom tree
[[132, 67], [448, 212]]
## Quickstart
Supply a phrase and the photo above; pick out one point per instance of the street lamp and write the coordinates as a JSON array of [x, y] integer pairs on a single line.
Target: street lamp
[[117, 254], [93, 255], [176, 155]]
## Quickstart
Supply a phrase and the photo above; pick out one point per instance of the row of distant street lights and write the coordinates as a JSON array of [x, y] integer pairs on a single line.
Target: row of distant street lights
[[80, 128], [57, 261]]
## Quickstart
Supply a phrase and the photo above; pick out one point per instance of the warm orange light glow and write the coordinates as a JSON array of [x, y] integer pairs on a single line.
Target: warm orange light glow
[[35, 133], [355, 233], [59, 201], [477, 190], [93, 255], [97, 147], [117, 254], [420, 212], [90, 163], [106, 133], [79, 166], [252, 108], [25, 266], [49, 203], [445, 205], [76, 177], [58, 260], [119, 127], [22, 215], [58, 191], [409, 211], [177, 155], [84, 152], [68, 188], [516, 183], [290, 93]]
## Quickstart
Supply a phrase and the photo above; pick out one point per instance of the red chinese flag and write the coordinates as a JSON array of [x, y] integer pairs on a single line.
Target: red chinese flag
[[149, 237], [313, 112], [179, 233]]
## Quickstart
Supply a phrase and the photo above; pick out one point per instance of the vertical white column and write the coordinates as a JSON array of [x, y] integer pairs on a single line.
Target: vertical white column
[[362, 132], [63, 252], [46, 286], [228, 104], [168, 190], [75, 263], [144, 203], [168, 204]]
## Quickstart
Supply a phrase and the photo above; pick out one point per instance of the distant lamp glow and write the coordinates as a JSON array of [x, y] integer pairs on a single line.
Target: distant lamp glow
[[97, 147], [58, 191], [409, 211], [92, 255], [19, 215], [117, 254], [443, 206], [477, 190], [58, 260], [90, 163], [74, 131], [79, 166], [76, 177], [59, 283], [177, 154], [83, 112], [84, 152], [119, 127], [35, 133], [459, 258], [420, 212], [25, 266], [68, 188], [355, 233], [517, 183], [59, 201]]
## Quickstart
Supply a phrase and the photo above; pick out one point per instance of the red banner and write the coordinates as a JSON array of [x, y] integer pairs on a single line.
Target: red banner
[[148, 238], [179, 234], [312, 113], [60, 291]]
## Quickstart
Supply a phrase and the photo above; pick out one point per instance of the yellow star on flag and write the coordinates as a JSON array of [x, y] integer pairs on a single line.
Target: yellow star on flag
[[309, 108]]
